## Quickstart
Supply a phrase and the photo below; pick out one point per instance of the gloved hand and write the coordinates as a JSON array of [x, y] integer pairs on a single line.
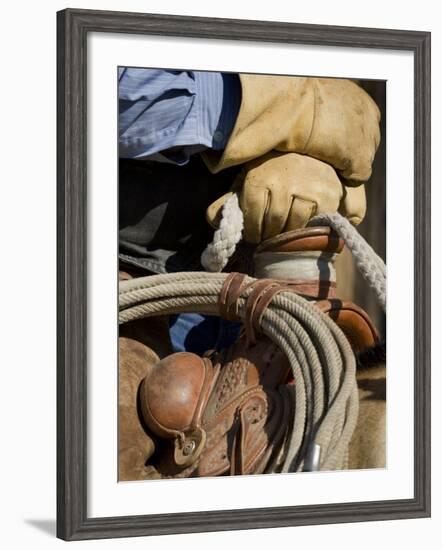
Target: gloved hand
[[281, 192], [353, 204], [330, 119]]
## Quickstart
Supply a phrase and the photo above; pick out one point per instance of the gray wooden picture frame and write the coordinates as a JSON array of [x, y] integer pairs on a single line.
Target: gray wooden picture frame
[[73, 27]]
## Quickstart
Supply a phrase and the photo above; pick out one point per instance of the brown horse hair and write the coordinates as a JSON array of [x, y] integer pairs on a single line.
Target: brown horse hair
[[373, 356]]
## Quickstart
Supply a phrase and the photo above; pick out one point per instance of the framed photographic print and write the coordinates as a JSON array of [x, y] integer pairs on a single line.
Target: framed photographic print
[[243, 274]]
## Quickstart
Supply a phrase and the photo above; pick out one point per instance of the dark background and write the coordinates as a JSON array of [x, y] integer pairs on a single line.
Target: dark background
[[351, 285]]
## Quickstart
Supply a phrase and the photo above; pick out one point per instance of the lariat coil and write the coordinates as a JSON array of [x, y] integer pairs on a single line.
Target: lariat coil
[[324, 398]]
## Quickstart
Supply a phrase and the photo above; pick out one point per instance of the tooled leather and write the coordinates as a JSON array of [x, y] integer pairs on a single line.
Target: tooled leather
[[251, 438], [245, 433], [221, 431], [234, 379], [255, 443], [238, 394], [265, 363]]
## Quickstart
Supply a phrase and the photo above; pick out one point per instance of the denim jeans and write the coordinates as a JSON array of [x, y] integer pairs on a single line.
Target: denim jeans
[[199, 333], [162, 213]]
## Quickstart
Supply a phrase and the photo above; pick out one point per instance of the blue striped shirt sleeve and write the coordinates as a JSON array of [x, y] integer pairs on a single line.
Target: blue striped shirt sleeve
[[186, 111]]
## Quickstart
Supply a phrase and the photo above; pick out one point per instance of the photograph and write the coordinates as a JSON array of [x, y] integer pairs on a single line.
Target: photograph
[[243, 274], [252, 276], [224, 223]]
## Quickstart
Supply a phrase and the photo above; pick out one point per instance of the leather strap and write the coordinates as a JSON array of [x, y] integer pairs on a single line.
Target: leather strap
[[260, 289], [257, 302], [231, 290]]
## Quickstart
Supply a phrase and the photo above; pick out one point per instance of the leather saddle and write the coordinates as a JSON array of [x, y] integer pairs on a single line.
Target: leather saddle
[[220, 414]]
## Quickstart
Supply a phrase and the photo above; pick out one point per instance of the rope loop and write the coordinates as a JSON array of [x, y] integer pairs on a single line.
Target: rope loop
[[216, 255]]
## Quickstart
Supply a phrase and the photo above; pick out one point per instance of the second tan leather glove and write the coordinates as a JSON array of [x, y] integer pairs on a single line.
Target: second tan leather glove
[[330, 119], [353, 204], [282, 192]]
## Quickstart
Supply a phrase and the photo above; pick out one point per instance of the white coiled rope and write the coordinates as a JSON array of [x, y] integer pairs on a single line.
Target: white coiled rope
[[371, 266], [325, 398]]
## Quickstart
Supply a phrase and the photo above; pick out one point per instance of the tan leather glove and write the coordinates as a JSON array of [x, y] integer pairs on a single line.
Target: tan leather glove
[[330, 119], [353, 204], [223, 415], [281, 192]]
